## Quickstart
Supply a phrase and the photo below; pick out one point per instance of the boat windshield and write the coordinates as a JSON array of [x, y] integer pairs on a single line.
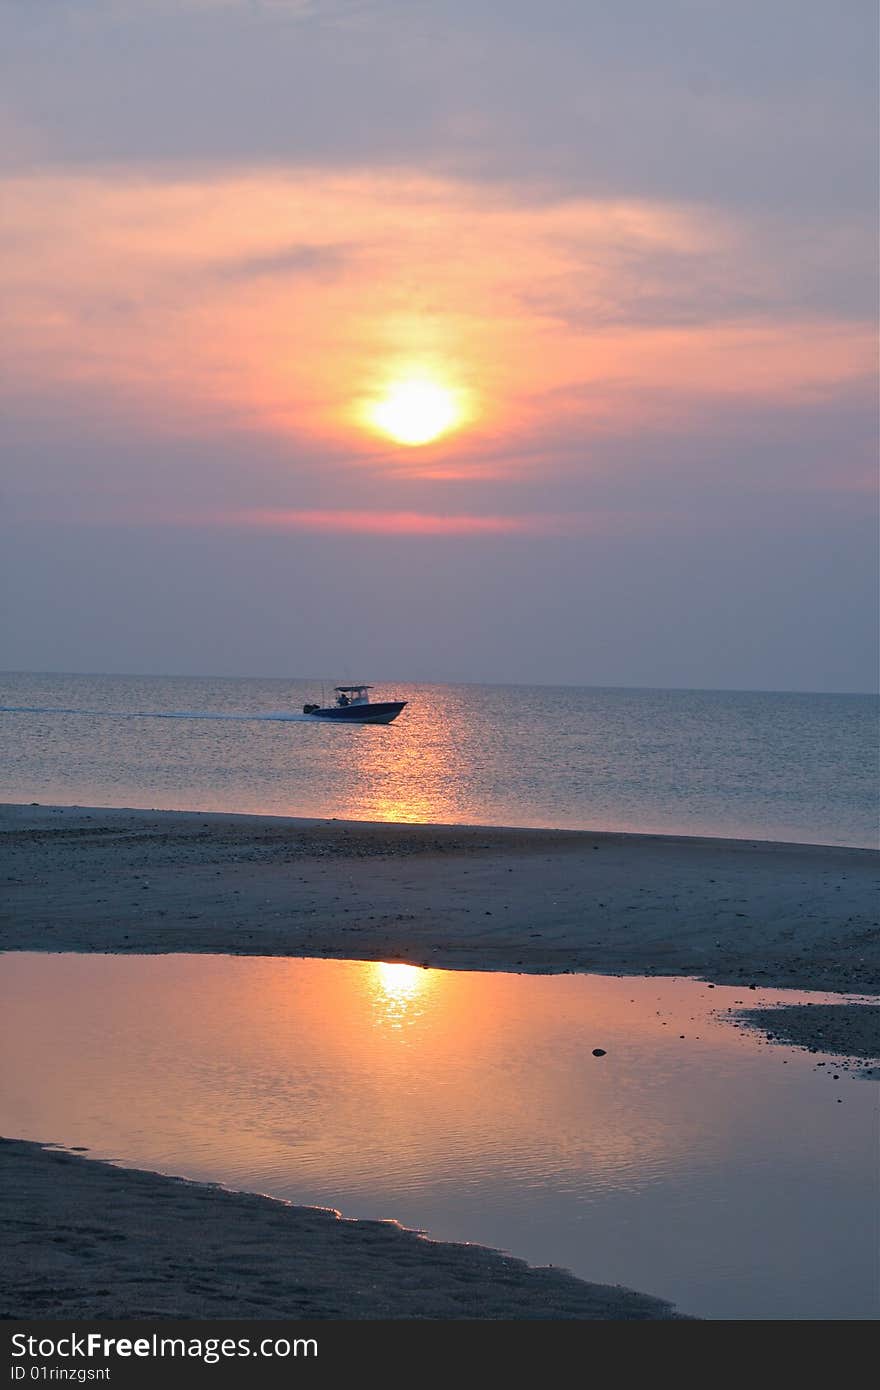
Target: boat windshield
[[352, 695]]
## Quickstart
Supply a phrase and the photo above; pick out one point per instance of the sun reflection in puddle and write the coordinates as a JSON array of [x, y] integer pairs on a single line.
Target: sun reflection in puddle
[[399, 992], [691, 1159]]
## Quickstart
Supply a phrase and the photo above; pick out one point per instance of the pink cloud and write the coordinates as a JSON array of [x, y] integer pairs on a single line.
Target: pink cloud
[[400, 523], [373, 523]]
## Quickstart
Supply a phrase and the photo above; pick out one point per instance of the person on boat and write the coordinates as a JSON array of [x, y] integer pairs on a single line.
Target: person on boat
[[343, 698]]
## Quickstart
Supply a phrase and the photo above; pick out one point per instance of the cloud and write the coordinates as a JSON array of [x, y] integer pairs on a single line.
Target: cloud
[[173, 343], [637, 242], [313, 261], [281, 305], [365, 522], [282, 521], [739, 268], [100, 11], [734, 106]]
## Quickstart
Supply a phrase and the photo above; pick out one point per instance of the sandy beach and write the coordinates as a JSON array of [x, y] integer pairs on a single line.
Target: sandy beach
[[727, 911], [83, 1239], [111, 1242]]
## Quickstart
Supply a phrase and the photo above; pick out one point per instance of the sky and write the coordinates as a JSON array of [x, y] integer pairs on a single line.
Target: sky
[[441, 340]]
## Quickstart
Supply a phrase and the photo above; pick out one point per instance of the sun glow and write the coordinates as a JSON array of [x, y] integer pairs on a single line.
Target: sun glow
[[415, 411], [399, 991]]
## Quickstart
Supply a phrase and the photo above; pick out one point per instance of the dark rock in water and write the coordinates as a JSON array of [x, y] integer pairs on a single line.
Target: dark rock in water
[[599, 1052]]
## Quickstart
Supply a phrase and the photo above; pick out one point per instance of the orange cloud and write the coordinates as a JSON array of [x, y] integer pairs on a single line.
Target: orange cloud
[[284, 303]]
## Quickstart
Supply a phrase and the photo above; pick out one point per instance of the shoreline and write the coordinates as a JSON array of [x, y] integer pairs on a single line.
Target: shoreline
[[43, 809], [85, 1239]]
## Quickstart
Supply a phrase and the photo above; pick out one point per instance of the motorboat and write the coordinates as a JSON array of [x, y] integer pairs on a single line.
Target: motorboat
[[354, 706]]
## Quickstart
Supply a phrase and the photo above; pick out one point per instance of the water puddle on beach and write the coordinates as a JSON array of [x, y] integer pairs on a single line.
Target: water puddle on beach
[[712, 1168]]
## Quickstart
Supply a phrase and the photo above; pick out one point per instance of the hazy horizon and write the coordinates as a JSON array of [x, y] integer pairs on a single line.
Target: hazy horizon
[[477, 343], [396, 678]]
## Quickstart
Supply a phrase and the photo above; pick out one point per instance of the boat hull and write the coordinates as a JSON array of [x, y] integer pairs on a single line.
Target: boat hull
[[382, 712]]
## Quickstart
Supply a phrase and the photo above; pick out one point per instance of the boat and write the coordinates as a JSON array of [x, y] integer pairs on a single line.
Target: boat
[[354, 706]]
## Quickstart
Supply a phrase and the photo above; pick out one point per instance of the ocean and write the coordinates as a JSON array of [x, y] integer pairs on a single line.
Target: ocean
[[740, 764]]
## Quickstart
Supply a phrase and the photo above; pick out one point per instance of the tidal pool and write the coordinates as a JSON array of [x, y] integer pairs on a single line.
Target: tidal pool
[[692, 1160]]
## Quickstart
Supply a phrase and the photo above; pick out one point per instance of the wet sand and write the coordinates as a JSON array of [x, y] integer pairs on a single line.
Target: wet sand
[[843, 1030], [83, 1239], [727, 911]]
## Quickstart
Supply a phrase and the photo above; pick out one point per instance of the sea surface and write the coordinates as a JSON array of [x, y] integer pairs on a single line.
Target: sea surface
[[692, 1160], [747, 765]]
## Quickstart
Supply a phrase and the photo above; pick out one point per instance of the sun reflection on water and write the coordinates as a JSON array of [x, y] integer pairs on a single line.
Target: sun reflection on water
[[413, 772], [470, 1104], [399, 992]]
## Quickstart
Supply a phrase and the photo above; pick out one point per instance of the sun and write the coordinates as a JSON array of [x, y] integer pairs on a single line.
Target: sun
[[415, 411]]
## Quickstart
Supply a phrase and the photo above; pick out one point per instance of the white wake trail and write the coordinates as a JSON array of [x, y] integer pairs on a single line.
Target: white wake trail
[[277, 718]]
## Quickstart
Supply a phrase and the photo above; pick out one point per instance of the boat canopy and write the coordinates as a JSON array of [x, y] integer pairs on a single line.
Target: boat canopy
[[347, 689]]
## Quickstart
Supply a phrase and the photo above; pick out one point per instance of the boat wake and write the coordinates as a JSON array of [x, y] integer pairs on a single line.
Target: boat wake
[[280, 718]]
